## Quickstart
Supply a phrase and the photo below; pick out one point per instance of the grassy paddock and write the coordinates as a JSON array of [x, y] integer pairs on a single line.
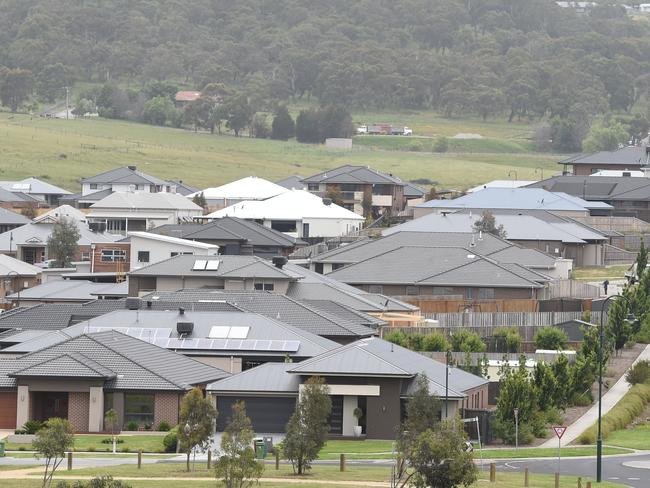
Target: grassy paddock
[[598, 274], [62, 152], [425, 144], [82, 442]]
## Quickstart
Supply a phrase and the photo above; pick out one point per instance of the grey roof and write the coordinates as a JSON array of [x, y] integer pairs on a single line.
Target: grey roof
[[124, 175], [291, 182], [17, 197], [33, 185], [628, 156], [50, 316], [278, 307], [183, 188], [230, 266], [518, 227], [138, 201], [7, 217], [604, 188], [265, 378], [264, 336], [16, 336], [70, 290], [229, 228], [38, 234], [517, 198], [90, 197], [136, 364], [353, 174], [434, 266], [67, 365], [413, 191], [15, 267], [340, 310]]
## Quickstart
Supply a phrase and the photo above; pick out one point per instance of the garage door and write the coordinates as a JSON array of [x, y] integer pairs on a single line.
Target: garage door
[[268, 415], [8, 409]]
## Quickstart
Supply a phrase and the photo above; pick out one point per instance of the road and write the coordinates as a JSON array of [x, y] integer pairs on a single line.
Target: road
[[617, 469]]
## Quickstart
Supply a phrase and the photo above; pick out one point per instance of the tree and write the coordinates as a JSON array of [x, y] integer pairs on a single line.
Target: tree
[[240, 114], [334, 194], [487, 223], [308, 126], [63, 241], [641, 261], [552, 338], [51, 442], [158, 111], [110, 421], [283, 126], [237, 466], [29, 211], [15, 87], [199, 199], [195, 422], [51, 82], [605, 138], [335, 121], [516, 392], [83, 107], [467, 341], [308, 425], [259, 127], [618, 329], [422, 410]]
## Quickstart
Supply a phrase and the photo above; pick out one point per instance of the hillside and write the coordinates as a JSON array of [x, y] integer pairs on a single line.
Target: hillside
[[63, 151]]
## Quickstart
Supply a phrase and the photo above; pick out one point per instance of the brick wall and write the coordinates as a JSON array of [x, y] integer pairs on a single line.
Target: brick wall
[[166, 408], [78, 406]]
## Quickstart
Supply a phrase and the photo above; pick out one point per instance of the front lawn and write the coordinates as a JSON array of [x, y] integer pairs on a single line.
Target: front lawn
[[637, 437], [90, 442]]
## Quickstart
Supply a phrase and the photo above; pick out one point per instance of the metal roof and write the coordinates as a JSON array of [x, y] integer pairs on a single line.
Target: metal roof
[[7, 217], [248, 188], [70, 290], [34, 186], [354, 174], [124, 175], [628, 156], [291, 182], [138, 201], [17, 267], [265, 378], [605, 188], [38, 234]]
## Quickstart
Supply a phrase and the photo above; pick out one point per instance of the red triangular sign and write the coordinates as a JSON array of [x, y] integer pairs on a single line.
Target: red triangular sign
[[559, 431]]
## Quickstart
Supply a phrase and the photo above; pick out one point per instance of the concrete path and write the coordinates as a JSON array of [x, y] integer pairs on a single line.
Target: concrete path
[[610, 399]]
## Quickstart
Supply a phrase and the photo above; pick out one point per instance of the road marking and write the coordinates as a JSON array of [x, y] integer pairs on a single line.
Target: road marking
[[614, 478], [510, 467], [634, 479]]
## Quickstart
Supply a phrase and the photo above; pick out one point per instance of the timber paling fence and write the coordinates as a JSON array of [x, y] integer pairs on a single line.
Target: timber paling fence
[[503, 319]]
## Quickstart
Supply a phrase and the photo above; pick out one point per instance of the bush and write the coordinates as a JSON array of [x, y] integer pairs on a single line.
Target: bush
[[170, 440], [125, 449], [435, 342], [639, 373], [506, 430], [440, 145], [581, 399], [164, 426], [414, 342], [507, 339], [467, 341], [101, 482], [396, 337], [553, 416], [624, 412], [108, 440], [643, 335], [551, 338], [31, 427], [132, 425], [414, 146]]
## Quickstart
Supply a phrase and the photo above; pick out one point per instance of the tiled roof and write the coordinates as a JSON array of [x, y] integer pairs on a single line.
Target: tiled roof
[[124, 175], [633, 156], [353, 174]]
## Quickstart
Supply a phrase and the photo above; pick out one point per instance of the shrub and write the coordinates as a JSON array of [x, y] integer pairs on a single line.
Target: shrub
[[414, 146], [125, 449], [108, 440], [552, 338], [435, 342], [164, 426], [506, 430], [507, 339], [91, 448], [170, 440], [553, 416], [643, 335], [132, 425], [32, 426], [101, 482], [414, 341], [624, 412], [440, 145], [639, 373], [396, 337], [467, 341]]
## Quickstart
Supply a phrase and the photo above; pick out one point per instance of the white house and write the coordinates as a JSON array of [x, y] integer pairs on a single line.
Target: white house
[[147, 248], [249, 188], [121, 212], [297, 213]]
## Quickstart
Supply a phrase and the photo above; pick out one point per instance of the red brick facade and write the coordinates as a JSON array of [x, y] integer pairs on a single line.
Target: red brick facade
[[166, 406], [78, 407]]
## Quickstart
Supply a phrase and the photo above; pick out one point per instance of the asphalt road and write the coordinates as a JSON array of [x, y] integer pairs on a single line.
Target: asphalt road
[[614, 468]]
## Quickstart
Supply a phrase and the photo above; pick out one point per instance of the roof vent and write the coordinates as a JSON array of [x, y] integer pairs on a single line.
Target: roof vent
[[181, 311], [133, 303], [184, 328], [132, 168], [327, 201], [279, 261]]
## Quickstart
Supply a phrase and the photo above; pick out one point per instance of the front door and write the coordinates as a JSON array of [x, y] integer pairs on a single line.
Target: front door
[[50, 404], [33, 255]]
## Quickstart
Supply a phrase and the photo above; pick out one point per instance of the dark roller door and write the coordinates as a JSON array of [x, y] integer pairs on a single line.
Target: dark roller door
[[8, 410], [267, 414]]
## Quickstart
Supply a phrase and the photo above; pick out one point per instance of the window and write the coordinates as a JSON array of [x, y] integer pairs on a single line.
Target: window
[[375, 289], [305, 230], [486, 293], [284, 225], [93, 186], [264, 286], [143, 256], [313, 186], [85, 256], [138, 408], [108, 402], [113, 255], [412, 290]]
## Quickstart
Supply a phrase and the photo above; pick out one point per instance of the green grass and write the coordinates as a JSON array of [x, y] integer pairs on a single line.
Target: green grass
[[424, 144], [595, 274], [63, 151], [637, 437], [95, 454], [535, 452], [13, 467], [147, 443]]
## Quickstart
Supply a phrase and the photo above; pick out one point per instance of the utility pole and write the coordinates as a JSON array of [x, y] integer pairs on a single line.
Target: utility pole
[[67, 106]]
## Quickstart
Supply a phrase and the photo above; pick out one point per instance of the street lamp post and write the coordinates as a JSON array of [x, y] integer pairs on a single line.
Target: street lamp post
[[9, 281], [599, 441]]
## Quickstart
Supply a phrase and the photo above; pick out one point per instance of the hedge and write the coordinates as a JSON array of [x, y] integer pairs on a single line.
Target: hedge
[[623, 413]]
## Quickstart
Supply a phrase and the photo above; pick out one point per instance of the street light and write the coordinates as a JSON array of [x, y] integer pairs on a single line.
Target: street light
[[8, 281], [516, 410], [599, 442]]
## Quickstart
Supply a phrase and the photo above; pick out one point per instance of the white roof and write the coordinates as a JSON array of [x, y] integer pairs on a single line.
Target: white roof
[[249, 188], [290, 205], [140, 200], [502, 184], [34, 186], [9, 265], [173, 240], [619, 172], [62, 211]]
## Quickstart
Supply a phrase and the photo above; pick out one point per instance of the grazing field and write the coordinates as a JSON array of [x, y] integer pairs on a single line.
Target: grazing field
[[62, 152]]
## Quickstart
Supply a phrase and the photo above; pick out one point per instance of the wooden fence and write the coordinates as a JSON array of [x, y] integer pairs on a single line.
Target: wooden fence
[[616, 255], [451, 305], [569, 289], [502, 319], [625, 225]]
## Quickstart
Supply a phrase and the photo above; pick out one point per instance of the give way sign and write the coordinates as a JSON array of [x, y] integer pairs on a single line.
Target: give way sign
[[559, 431]]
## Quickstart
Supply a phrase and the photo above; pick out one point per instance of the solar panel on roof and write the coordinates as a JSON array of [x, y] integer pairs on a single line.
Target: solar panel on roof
[[212, 265], [238, 332], [199, 265], [219, 332]]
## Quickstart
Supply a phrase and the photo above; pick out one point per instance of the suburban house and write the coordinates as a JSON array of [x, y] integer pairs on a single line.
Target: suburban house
[[232, 341], [629, 158], [487, 245], [502, 184], [293, 182], [29, 242], [68, 291], [17, 276], [10, 220], [218, 272], [548, 232], [182, 98], [370, 374], [19, 200], [148, 248], [359, 187], [244, 189], [83, 377], [521, 199], [629, 196], [441, 271], [35, 188], [235, 236], [297, 213], [121, 212]]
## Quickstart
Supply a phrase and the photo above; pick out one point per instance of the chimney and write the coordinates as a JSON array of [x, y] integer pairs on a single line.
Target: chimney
[[149, 304], [132, 168], [279, 261]]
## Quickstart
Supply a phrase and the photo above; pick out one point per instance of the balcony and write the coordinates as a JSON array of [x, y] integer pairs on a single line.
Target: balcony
[[382, 200]]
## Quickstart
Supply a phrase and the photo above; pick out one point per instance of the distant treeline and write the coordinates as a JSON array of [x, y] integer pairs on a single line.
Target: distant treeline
[[518, 59]]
